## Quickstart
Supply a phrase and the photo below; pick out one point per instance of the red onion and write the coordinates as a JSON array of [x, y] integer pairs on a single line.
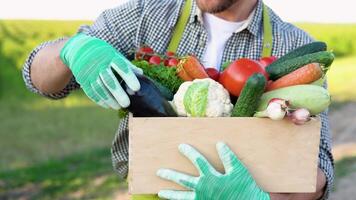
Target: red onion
[[300, 116]]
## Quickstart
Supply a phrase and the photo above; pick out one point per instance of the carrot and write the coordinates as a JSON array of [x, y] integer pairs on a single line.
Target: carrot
[[193, 68], [183, 74], [304, 75]]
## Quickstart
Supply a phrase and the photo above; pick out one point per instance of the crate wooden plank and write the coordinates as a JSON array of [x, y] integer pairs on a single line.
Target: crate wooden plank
[[281, 156]]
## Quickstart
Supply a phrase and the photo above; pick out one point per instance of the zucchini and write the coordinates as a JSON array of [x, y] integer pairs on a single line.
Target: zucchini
[[314, 98], [249, 98], [278, 69], [304, 50]]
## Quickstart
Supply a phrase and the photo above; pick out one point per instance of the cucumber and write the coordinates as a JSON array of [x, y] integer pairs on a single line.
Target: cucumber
[[249, 98], [314, 98], [304, 50], [279, 69]]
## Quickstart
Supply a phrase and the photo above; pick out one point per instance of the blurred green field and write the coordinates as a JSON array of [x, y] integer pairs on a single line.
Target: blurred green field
[[339, 37], [49, 149], [61, 149]]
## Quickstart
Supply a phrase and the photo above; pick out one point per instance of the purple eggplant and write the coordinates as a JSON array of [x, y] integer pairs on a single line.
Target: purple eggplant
[[148, 101]]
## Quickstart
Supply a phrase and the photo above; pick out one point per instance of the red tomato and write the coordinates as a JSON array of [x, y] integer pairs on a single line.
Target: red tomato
[[213, 73], [265, 61], [235, 76], [170, 54], [172, 62], [144, 53], [155, 60]]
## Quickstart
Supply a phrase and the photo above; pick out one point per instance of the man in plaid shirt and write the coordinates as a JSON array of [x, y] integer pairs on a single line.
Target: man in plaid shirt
[[88, 59]]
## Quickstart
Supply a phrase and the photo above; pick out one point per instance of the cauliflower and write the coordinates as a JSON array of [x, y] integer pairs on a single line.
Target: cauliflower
[[202, 98]]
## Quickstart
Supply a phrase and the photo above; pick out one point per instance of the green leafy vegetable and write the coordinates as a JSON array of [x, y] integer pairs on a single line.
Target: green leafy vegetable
[[166, 76], [196, 99]]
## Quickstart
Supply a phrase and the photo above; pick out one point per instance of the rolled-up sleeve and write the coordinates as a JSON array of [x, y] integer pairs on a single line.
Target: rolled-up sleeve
[[116, 26], [26, 74]]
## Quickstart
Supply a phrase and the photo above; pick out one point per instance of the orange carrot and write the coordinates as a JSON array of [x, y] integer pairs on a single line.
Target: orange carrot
[[183, 74], [304, 75], [193, 68]]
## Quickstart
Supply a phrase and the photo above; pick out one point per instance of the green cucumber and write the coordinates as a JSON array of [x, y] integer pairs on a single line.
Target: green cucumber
[[249, 98], [314, 98], [304, 50], [278, 69]]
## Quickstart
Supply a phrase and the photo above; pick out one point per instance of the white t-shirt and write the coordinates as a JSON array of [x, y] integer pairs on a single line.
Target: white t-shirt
[[219, 31]]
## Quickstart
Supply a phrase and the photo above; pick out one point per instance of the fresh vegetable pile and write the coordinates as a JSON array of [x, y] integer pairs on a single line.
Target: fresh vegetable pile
[[288, 87]]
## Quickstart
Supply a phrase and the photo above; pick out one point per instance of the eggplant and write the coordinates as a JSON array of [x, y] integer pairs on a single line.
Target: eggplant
[[166, 93], [148, 101]]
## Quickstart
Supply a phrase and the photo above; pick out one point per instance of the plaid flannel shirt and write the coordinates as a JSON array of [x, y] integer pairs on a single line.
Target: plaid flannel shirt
[[152, 22]]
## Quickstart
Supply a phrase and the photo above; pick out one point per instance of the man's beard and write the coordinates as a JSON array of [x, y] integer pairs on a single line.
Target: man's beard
[[219, 6]]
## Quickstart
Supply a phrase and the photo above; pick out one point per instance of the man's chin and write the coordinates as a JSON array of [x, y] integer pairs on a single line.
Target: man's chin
[[214, 6]]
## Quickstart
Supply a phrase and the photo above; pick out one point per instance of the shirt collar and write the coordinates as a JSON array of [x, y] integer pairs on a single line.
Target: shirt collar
[[253, 23], [256, 24]]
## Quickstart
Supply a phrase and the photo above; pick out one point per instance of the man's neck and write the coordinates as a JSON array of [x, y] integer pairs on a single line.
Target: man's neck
[[240, 11]]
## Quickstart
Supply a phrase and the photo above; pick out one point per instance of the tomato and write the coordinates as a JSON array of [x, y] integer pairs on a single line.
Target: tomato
[[172, 62], [235, 76], [155, 60], [170, 54], [144, 53], [213, 73], [265, 61]]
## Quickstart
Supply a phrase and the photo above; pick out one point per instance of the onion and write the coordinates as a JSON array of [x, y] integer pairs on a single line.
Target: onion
[[282, 102], [276, 111], [300, 116]]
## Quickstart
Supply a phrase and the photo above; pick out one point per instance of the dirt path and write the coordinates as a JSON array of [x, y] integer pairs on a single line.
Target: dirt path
[[343, 126]]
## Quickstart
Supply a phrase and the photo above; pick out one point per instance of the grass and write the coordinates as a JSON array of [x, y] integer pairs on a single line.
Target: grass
[[343, 168], [56, 149], [30, 134], [342, 79], [85, 175]]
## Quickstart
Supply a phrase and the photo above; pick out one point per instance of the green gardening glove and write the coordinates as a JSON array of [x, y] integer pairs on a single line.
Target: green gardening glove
[[93, 63], [235, 184]]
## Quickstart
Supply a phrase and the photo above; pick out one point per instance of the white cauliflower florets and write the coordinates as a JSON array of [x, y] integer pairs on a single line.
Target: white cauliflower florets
[[218, 99]]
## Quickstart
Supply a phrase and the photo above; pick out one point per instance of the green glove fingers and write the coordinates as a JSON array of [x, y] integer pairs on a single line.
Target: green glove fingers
[[137, 70], [113, 85], [124, 68], [228, 158], [92, 62], [105, 95], [235, 184], [179, 178], [94, 97], [198, 160], [176, 195]]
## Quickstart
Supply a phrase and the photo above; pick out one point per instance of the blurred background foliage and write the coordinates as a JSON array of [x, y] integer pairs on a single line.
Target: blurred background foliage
[[61, 149]]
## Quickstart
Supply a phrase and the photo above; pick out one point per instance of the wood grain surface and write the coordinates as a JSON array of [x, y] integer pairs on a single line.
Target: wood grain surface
[[281, 156]]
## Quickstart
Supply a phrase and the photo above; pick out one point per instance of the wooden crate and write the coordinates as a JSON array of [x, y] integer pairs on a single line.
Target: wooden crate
[[281, 156]]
